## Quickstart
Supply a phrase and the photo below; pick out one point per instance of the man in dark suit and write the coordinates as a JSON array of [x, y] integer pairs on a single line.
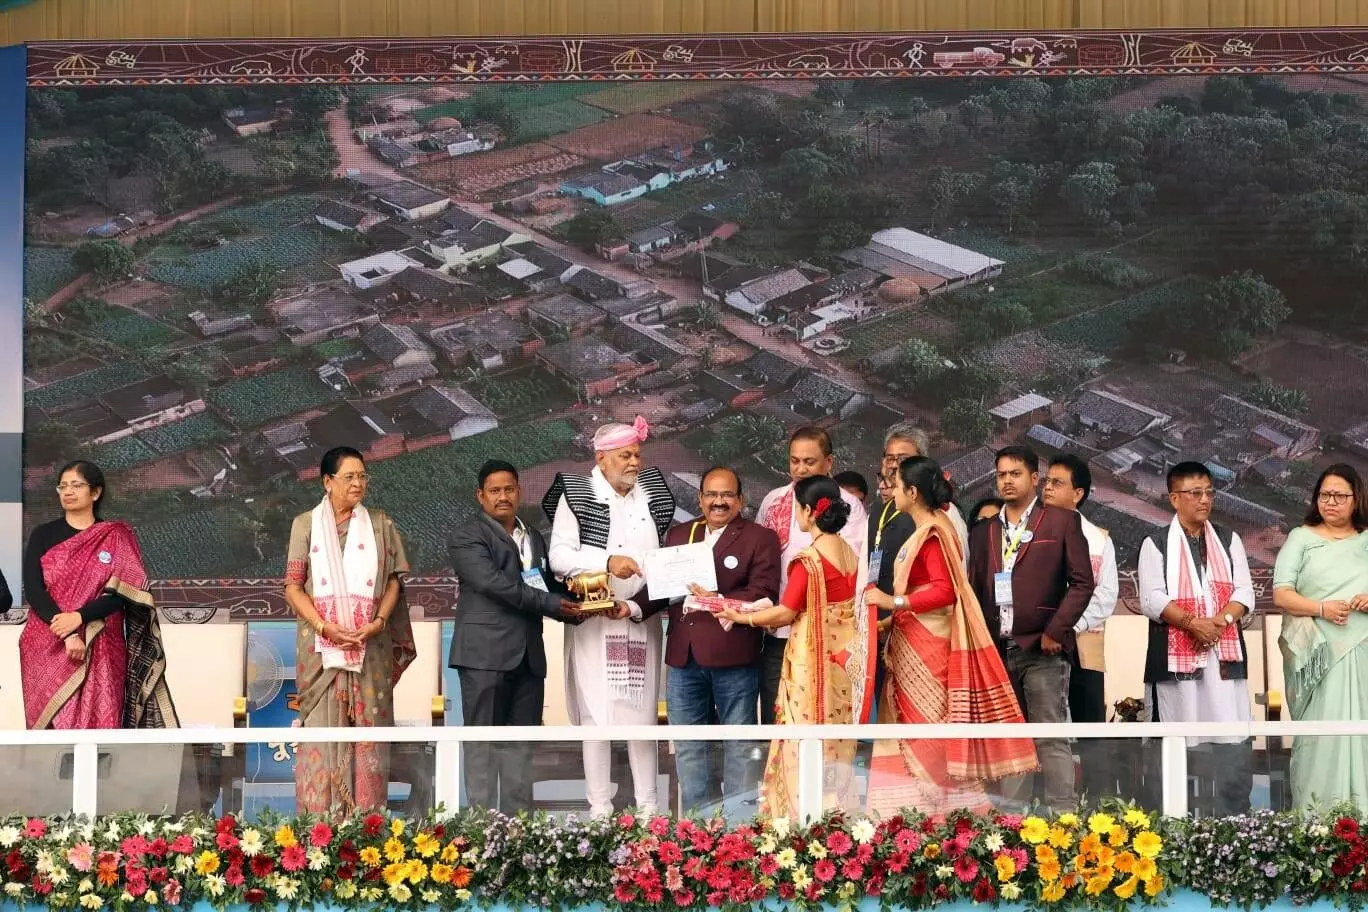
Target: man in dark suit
[[714, 674], [1032, 573], [504, 594]]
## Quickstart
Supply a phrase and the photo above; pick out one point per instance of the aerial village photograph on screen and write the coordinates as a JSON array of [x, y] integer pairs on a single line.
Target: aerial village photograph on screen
[[224, 282]]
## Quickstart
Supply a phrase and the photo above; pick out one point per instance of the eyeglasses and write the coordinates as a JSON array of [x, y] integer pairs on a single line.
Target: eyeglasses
[[1053, 483], [724, 496], [1199, 493], [353, 476], [71, 486], [894, 458], [1334, 497]]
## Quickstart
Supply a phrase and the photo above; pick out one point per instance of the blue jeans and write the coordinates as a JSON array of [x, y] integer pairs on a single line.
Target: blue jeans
[[695, 695]]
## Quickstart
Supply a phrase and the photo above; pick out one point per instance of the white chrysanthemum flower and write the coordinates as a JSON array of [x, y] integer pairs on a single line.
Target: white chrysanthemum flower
[[862, 831], [944, 871], [994, 842], [287, 888], [817, 850], [345, 890], [9, 836], [431, 897], [318, 859], [214, 885], [59, 875], [92, 901], [85, 886], [400, 893], [251, 843], [1011, 891], [786, 857], [780, 826], [150, 897], [463, 895], [45, 862], [14, 889], [185, 864]]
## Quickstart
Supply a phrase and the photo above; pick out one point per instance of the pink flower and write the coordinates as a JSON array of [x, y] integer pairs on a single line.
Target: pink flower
[[683, 898], [183, 845], [768, 865], [225, 840], [626, 821], [659, 826], [172, 892], [852, 870], [624, 893], [1020, 857], [966, 868], [234, 876], [674, 880], [824, 870], [36, 828], [669, 853], [839, 843], [81, 856], [1011, 821], [294, 858], [716, 898], [134, 846], [907, 840], [320, 835]]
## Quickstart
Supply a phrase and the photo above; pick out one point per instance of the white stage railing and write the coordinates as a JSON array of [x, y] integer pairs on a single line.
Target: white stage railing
[[447, 742]]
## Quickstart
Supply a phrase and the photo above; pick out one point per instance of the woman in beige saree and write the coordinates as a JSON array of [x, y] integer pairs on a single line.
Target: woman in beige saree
[[343, 578], [828, 670], [943, 667]]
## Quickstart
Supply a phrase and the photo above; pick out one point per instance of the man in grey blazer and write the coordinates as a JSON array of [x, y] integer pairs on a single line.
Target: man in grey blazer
[[505, 591]]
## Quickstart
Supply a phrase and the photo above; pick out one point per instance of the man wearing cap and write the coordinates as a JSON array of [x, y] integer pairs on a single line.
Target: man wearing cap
[[608, 520]]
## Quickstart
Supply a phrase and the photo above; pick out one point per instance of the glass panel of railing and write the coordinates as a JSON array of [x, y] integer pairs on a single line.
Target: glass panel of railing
[[1232, 775], [564, 778], [714, 778], [292, 777], [1013, 775]]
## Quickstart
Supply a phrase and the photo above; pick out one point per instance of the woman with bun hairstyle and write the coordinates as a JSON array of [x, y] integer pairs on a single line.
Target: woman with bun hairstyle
[[942, 666], [828, 670]]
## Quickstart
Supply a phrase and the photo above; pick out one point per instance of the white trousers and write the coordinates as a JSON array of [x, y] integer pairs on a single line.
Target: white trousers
[[642, 757]]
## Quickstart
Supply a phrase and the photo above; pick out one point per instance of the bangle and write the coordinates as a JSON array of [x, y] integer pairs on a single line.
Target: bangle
[[1322, 609], [318, 628]]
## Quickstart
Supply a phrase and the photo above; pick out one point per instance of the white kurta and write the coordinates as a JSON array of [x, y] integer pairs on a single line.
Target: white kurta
[[1107, 586], [631, 532], [1210, 698], [855, 531]]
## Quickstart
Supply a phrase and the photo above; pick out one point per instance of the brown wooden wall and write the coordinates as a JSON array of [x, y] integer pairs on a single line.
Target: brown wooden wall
[[64, 20]]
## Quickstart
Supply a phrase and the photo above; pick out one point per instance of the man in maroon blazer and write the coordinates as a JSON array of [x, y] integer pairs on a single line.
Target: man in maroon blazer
[[713, 673], [1032, 574]]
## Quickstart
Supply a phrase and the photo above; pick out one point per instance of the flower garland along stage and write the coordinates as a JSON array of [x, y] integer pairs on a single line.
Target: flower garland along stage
[[1103, 860]]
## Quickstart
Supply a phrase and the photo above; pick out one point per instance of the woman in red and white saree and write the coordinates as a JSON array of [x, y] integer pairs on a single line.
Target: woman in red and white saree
[[828, 669], [90, 654], [942, 666], [343, 579]]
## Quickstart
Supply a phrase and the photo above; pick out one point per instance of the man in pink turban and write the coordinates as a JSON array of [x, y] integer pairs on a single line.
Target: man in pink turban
[[609, 520]]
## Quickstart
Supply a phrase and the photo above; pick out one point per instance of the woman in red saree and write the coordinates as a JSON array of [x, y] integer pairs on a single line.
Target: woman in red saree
[[828, 670], [90, 655], [942, 667], [354, 639]]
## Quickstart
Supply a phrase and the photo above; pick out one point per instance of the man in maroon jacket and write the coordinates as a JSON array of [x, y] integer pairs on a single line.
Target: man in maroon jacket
[[713, 673], [1033, 576]]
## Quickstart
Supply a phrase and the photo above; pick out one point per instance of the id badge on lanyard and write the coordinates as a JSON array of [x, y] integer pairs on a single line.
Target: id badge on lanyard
[[535, 579]]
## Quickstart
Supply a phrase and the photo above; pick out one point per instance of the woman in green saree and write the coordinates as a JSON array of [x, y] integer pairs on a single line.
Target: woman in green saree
[[1320, 582]]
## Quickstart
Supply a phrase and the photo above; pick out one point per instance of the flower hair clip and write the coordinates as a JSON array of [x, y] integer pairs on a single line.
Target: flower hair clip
[[822, 504]]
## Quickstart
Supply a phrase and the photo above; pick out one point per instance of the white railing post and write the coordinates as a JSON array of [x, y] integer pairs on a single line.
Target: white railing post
[[85, 775], [810, 779], [1173, 753], [447, 761]]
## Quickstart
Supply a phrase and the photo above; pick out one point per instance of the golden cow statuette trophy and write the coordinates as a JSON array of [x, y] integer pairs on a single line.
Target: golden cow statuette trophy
[[593, 590]]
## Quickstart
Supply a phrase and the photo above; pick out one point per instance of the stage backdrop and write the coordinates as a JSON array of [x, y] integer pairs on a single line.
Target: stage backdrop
[[1134, 247]]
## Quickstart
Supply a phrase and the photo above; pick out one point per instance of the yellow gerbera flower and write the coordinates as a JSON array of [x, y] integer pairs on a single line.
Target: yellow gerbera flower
[[1137, 818], [394, 849], [1155, 885], [452, 853], [1097, 885], [1125, 863], [1044, 853], [1101, 824], [370, 857], [1118, 835], [285, 837], [1006, 868], [394, 873], [396, 827], [1148, 844], [1034, 830], [207, 863], [1060, 838], [425, 845], [1145, 868], [1052, 892], [1126, 888], [1048, 871], [1068, 820], [441, 873]]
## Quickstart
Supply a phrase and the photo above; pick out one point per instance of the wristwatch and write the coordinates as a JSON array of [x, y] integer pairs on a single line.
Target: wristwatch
[[899, 601], [1229, 618]]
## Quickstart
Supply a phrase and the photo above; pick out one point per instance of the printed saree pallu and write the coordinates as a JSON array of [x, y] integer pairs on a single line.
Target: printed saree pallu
[[827, 678], [121, 683]]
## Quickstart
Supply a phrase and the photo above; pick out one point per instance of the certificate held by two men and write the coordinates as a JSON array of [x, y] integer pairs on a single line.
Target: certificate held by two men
[[670, 571]]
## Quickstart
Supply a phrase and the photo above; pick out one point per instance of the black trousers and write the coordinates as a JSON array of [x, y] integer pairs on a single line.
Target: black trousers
[[771, 668], [1088, 703], [500, 775]]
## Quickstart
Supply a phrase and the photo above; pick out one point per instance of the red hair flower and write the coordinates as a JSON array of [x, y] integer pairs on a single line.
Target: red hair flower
[[822, 504]]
